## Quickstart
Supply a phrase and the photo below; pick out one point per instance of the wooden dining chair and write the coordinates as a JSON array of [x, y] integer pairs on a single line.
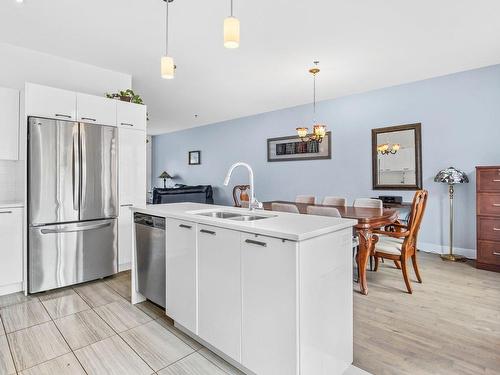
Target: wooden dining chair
[[309, 199], [400, 243], [334, 201], [368, 203], [323, 211], [240, 195], [285, 207]]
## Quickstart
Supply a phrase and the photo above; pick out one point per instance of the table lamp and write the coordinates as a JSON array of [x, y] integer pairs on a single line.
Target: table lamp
[[451, 176], [164, 175]]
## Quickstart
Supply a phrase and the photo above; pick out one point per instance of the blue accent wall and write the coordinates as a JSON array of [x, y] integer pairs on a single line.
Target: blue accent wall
[[460, 116]]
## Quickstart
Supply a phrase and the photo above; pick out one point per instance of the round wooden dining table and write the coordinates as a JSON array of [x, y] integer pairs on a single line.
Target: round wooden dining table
[[368, 220]]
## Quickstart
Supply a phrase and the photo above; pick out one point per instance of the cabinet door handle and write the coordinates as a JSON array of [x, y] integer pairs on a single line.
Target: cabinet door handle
[[126, 205], [61, 115], [496, 180], [496, 229], [185, 226], [207, 231], [126, 124], [259, 243], [89, 119], [496, 204], [496, 253], [5, 212]]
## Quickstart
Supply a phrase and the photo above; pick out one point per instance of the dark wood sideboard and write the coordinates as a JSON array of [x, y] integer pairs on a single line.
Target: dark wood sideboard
[[488, 217]]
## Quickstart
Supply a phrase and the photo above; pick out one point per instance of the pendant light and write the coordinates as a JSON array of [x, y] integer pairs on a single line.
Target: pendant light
[[231, 31], [167, 62], [319, 130]]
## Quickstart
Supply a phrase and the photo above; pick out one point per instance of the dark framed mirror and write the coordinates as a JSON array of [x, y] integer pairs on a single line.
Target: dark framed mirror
[[397, 157]]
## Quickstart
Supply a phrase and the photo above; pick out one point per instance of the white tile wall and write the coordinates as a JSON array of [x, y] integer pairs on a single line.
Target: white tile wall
[[11, 181]]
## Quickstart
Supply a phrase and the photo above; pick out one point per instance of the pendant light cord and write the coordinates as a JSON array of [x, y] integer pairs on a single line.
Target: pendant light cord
[[231, 8], [166, 30]]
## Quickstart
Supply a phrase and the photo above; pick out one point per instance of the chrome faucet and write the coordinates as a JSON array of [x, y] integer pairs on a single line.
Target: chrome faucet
[[254, 203]]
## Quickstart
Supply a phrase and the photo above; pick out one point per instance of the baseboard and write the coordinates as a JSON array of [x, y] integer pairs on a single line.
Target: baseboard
[[440, 249], [124, 267], [11, 288]]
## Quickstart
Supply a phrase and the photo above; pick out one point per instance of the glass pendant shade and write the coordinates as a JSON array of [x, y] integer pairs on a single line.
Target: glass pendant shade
[[302, 132], [167, 67], [319, 131], [231, 32]]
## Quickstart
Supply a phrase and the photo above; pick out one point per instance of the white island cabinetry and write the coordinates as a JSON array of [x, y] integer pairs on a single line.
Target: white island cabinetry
[[219, 289], [181, 272], [272, 296]]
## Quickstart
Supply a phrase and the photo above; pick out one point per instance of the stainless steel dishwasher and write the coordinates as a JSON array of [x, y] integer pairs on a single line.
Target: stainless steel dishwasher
[[150, 257]]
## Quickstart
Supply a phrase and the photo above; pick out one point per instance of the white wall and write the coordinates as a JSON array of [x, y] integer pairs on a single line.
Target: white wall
[[20, 65]]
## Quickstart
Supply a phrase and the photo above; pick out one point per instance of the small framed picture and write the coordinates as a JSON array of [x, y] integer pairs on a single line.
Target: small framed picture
[[194, 157]]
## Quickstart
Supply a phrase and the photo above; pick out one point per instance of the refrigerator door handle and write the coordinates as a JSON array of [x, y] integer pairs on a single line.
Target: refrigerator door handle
[[83, 154], [75, 229], [75, 169]]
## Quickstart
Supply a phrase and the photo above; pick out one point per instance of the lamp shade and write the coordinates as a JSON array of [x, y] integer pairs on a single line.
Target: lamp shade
[[231, 32], [451, 176], [164, 175], [167, 67]]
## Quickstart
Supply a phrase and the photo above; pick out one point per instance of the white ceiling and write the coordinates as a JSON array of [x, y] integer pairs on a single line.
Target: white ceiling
[[361, 44]]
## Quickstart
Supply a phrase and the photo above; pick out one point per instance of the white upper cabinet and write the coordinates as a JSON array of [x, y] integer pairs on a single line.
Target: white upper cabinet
[[132, 167], [49, 102], [96, 110], [9, 124], [219, 289], [130, 115]]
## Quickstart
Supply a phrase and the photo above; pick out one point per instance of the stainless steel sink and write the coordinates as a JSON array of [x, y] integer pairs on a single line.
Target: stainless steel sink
[[220, 214], [249, 217], [234, 215]]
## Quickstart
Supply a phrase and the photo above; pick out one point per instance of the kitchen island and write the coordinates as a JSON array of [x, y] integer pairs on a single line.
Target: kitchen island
[[270, 292]]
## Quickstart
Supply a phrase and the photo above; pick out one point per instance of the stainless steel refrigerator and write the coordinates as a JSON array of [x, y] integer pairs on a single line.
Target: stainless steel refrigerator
[[72, 203]]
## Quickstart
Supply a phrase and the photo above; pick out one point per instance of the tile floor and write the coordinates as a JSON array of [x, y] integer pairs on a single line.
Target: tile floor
[[93, 329]]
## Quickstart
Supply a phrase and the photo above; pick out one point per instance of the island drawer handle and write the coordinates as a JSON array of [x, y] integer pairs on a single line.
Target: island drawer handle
[[5, 212], [496, 204], [127, 124], [60, 115], [253, 242], [496, 180], [185, 226], [207, 231], [496, 229], [497, 254], [89, 119]]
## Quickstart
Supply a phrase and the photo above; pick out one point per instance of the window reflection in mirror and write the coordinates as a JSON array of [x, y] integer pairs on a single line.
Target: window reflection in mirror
[[396, 157]]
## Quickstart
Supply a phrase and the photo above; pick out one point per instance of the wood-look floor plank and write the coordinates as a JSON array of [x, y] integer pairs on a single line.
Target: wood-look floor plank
[[34, 345], [97, 294], [65, 305], [449, 325], [168, 324], [122, 316], [112, 357], [63, 365], [219, 362], [14, 298], [121, 285], [83, 328], [194, 364], [6, 362], [23, 315], [156, 345]]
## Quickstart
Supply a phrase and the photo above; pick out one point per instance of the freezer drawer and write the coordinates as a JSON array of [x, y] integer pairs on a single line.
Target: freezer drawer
[[66, 254]]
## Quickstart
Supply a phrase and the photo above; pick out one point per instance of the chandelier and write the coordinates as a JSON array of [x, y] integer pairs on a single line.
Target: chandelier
[[319, 130], [386, 149]]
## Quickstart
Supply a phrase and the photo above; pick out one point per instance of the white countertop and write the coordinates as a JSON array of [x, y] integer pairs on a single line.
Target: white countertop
[[6, 204], [295, 227]]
